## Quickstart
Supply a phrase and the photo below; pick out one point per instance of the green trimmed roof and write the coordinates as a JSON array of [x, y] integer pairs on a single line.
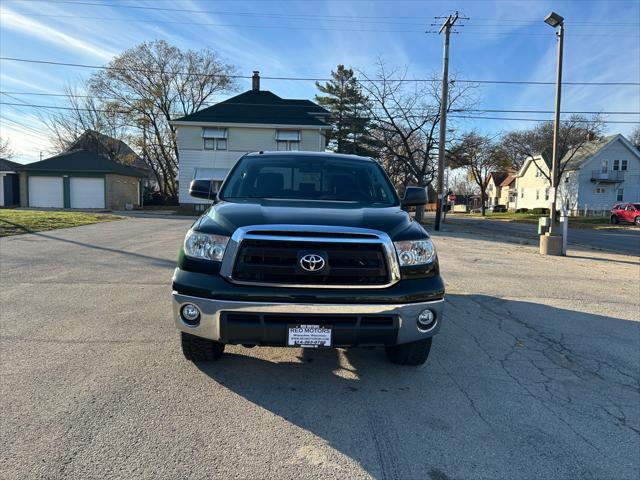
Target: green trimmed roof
[[260, 107], [81, 161], [9, 166]]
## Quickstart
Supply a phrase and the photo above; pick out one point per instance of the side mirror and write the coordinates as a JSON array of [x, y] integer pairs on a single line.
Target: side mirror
[[415, 196], [202, 189]]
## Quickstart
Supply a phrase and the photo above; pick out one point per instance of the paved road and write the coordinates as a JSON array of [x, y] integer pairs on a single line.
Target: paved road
[[625, 241], [535, 373]]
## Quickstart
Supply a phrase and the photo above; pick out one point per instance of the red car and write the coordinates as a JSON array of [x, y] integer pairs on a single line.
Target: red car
[[626, 212]]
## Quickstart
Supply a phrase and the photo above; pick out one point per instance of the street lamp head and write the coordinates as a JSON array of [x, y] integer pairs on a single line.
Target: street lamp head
[[554, 19]]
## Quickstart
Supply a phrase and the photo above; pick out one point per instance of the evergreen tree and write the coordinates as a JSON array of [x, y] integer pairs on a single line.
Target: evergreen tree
[[349, 120]]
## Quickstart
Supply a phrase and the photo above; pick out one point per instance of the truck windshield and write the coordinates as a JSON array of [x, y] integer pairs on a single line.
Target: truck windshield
[[304, 178]]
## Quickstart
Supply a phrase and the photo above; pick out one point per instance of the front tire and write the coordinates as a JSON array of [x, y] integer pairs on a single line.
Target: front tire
[[198, 349], [637, 220], [614, 219], [414, 353]]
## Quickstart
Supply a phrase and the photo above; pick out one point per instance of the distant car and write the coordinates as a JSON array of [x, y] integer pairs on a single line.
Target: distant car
[[498, 209], [626, 212]]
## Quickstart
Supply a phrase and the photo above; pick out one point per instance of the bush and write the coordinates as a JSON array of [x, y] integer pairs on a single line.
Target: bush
[[522, 210], [540, 211]]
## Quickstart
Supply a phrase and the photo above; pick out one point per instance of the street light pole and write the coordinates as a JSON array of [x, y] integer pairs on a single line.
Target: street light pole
[[556, 20], [444, 100]]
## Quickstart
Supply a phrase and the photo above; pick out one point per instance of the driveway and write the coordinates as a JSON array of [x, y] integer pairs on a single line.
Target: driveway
[[535, 373], [617, 240]]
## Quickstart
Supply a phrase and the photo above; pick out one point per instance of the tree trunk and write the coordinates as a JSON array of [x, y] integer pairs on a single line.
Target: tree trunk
[[483, 199]]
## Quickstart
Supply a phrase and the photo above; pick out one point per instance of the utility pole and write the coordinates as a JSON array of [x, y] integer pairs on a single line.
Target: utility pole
[[556, 21], [444, 100]]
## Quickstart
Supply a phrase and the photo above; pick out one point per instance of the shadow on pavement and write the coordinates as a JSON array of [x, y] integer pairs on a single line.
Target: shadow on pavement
[[511, 390], [160, 262]]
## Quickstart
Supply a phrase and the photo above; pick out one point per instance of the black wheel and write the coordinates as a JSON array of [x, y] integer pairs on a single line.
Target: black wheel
[[414, 353], [637, 220], [615, 220], [198, 349]]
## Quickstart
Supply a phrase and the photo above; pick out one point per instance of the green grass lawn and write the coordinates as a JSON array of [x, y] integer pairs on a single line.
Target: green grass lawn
[[15, 222], [594, 222]]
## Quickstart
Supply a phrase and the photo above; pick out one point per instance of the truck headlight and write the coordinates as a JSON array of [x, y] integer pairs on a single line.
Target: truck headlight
[[205, 246], [415, 252]]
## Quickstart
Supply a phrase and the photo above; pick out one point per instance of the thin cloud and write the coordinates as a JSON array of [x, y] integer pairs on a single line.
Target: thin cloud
[[33, 28]]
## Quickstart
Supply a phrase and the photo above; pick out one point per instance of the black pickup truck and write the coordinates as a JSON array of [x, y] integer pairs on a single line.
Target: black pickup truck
[[307, 250]]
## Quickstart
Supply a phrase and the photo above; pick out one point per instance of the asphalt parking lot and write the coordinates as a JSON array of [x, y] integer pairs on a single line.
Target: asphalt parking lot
[[535, 374]]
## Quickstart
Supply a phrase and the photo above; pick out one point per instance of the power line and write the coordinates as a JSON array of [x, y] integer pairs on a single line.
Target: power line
[[324, 16], [479, 117], [298, 105], [307, 27], [308, 79]]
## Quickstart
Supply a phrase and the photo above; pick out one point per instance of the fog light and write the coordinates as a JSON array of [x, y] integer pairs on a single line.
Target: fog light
[[190, 313], [426, 320]]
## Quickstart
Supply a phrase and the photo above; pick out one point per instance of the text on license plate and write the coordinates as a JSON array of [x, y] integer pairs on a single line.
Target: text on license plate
[[309, 336]]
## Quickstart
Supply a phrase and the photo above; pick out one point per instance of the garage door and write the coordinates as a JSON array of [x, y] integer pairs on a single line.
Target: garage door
[[86, 192], [46, 192]]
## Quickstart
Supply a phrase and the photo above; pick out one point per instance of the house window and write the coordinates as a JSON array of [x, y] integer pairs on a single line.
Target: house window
[[605, 166], [288, 140], [546, 194], [619, 195], [616, 165], [537, 194], [214, 138], [623, 165], [600, 190]]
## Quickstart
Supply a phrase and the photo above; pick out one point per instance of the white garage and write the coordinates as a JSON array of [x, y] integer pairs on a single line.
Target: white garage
[[46, 192], [86, 192]]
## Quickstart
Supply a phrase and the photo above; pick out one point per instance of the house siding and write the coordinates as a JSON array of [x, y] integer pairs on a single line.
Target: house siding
[[578, 192], [240, 140], [529, 183]]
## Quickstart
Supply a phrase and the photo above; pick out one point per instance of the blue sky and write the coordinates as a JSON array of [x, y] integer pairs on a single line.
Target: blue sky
[[502, 40]]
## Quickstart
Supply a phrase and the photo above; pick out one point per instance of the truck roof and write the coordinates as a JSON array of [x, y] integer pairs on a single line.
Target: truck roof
[[309, 155]]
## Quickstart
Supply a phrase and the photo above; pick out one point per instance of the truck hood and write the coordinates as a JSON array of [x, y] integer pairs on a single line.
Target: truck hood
[[225, 217]]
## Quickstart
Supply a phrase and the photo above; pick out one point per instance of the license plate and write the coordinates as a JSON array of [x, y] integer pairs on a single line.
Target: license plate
[[309, 336]]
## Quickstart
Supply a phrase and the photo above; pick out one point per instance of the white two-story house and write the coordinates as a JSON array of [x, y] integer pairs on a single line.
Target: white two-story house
[[597, 175], [212, 140]]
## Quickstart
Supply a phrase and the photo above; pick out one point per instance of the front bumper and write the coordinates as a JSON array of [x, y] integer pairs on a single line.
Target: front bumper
[[215, 326]]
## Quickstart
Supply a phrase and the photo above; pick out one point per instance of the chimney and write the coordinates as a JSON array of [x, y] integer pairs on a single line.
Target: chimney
[[255, 81], [591, 136]]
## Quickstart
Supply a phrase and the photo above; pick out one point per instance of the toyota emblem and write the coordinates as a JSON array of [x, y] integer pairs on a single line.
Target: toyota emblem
[[312, 262]]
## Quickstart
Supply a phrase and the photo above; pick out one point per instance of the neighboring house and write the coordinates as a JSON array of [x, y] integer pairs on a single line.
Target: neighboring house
[[9, 183], [80, 179], [509, 192], [212, 140], [598, 174], [532, 187], [116, 150], [494, 188]]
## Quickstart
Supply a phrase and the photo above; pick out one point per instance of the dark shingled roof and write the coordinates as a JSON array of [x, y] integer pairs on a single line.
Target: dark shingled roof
[[9, 166], [81, 161], [498, 177], [261, 107]]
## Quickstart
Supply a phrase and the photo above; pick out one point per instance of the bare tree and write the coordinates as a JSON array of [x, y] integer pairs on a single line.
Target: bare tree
[[575, 132], [480, 156], [89, 123], [635, 137], [6, 151], [405, 116], [151, 84]]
